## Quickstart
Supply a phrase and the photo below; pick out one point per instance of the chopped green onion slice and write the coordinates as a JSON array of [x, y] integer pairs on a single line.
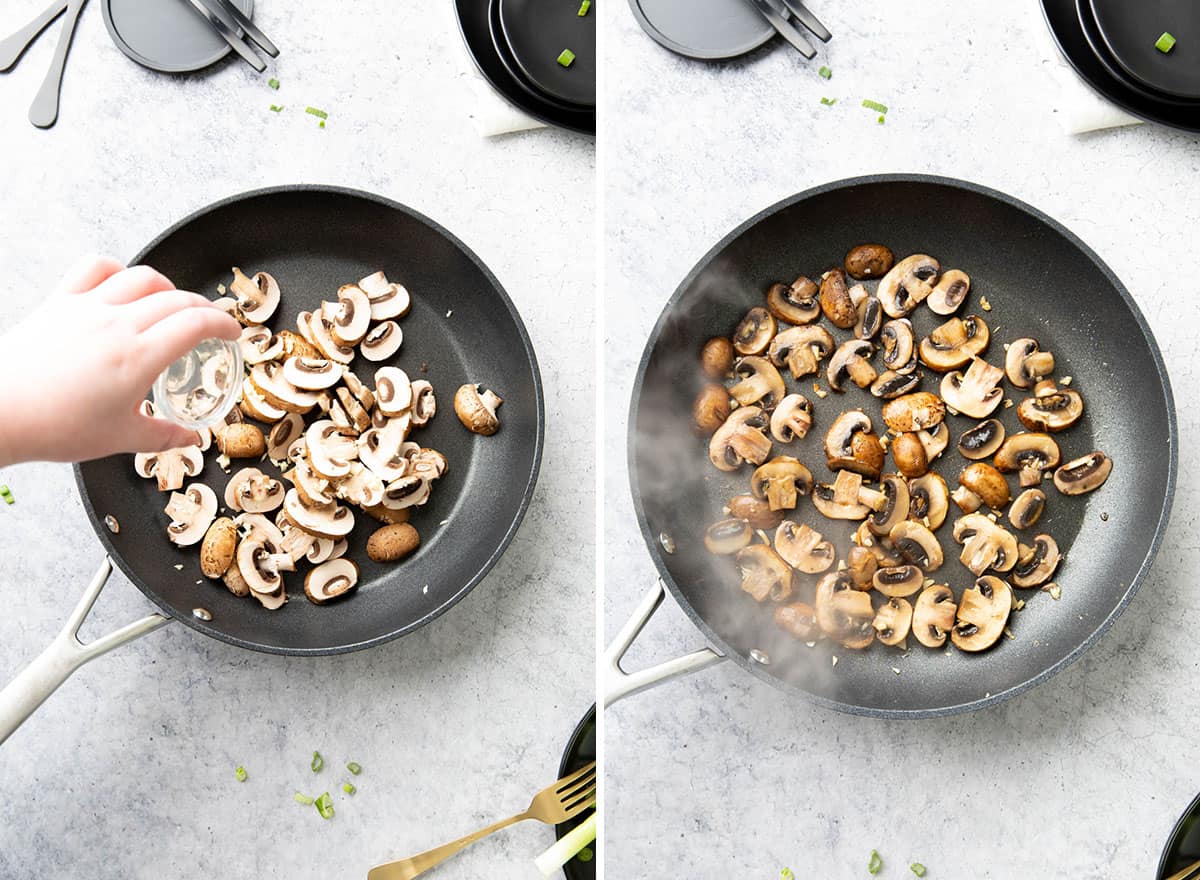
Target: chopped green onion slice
[[275, 108], [881, 120], [322, 124], [585, 854], [917, 868], [786, 874], [876, 864], [875, 105], [829, 102], [317, 112], [273, 83], [584, 7], [349, 788], [317, 762], [324, 805], [302, 799], [566, 57], [1165, 43], [824, 72], [354, 767], [240, 773]]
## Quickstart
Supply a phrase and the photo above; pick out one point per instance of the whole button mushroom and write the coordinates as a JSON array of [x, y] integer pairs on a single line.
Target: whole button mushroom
[[394, 542], [477, 409], [869, 261], [980, 483], [710, 409], [716, 358], [756, 511], [909, 454], [836, 302], [217, 550]]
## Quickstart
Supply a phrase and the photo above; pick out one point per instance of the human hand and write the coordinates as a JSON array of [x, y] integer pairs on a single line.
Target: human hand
[[77, 369]]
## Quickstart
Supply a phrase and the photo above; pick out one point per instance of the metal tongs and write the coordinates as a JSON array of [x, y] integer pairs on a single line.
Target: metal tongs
[[236, 29], [788, 30]]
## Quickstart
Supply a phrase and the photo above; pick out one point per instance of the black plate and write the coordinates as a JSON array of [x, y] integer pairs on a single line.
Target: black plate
[[169, 36], [1130, 31], [1063, 20], [473, 22], [1091, 33], [707, 30], [1183, 846], [538, 30], [313, 239], [504, 53], [581, 750], [1041, 281]]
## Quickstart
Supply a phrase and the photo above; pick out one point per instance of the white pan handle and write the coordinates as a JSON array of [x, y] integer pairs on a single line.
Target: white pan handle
[[618, 683], [64, 655]]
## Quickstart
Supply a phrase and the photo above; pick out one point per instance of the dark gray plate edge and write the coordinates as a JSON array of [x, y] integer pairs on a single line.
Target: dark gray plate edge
[[526, 497], [1125, 66], [755, 669], [564, 766], [526, 85], [130, 53], [679, 49], [499, 5], [1176, 830]]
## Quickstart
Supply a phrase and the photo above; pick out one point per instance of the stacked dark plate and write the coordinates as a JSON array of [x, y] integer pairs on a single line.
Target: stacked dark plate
[[517, 44], [1113, 46]]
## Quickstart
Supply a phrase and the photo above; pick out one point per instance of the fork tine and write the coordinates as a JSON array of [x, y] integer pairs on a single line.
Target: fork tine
[[578, 805], [566, 781], [568, 792]]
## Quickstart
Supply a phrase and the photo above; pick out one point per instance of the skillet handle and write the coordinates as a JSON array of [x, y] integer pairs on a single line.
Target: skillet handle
[[618, 683], [37, 681]]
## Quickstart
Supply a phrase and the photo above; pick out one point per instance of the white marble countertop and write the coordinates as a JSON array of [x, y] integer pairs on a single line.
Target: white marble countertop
[[719, 775], [128, 770]]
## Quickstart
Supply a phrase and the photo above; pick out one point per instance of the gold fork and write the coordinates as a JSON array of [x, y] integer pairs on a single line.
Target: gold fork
[[563, 800], [1191, 872]]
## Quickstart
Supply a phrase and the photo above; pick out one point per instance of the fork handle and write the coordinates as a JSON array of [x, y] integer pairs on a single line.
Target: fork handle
[[419, 864]]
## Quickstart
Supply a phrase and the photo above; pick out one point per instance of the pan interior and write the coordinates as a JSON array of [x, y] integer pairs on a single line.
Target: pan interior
[[462, 328], [1040, 282]]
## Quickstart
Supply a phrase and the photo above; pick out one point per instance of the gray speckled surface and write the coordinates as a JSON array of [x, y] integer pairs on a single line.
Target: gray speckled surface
[[719, 775], [128, 770]]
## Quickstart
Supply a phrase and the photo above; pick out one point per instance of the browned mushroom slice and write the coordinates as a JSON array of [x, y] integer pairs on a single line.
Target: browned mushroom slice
[[329, 580], [982, 440], [760, 382], [257, 297], [893, 621], [798, 619], [917, 544], [862, 565], [869, 311], [909, 454], [716, 358], [1027, 508], [982, 614], [844, 613], [1025, 363], [980, 483], [976, 393], [879, 546], [792, 418], [1051, 408], [949, 293], [843, 499], [1031, 454], [835, 300], [781, 481], [869, 261], [740, 439], [934, 615], [898, 580], [1083, 474], [899, 345], [755, 511], [795, 304], [710, 409], [851, 361], [850, 444], [895, 507], [382, 341], [754, 332], [801, 349], [764, 573], [908, 284], [891, 384], [192, 512], [935, 440], [914, 412], [953, 344], [928, 500], [1036, 564], [985, 544], [728, 536], [803, 547]]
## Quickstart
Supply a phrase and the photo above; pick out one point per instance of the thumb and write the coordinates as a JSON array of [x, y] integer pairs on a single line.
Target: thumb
[[154, 435]]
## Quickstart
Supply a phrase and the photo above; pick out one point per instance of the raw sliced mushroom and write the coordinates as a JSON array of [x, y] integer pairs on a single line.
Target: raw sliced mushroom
[[844, 613], [330, 449], [909, 454], [476, 409], [329, 580], [760, 383], [949, 293], [269, 381], [382, 451], [836, 303], [895, 508], [253, 491], [891, 384], [980, 483], [982, 440], [295, 345], [315, 492], [361, 487], [781, 481], [953, 344], [364, 395], [358, 418], [976, 393], [351, 318], [321, 330], [1030, 454], [407, 491], [801, 349], [755, 511], [382, 341], [1036, 564], [798, 619], [192, 512], [795, 304], [171, 467], [393, 391], [754, 332], [741, 439], [257, 407], [1027, 508], [792, 418], [1025, 363], [333, 522], [851, 444], [710, 409], [868, 261], [918, 545], [283, 435], [259, 570], [852, 361], [893, 621], [1083, 474], [764, 573], [898, 580], [728, 536], [862, 565], [311, 374], [1051, 408], [424, 406], [899, 345], [934, 615], [388, 298], [928, 500], [985, 544], [257, 297], [843, 499], [908, 284], [803, 547], [258, 344], [716, 358], [918, 411], [982, 614]]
